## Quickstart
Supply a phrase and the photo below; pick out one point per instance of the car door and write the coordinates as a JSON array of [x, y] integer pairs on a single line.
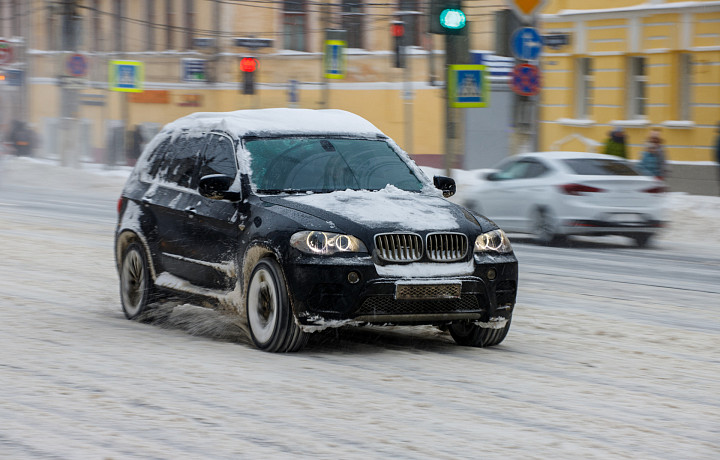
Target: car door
[[213, 231], [170, 202], [499, 200]]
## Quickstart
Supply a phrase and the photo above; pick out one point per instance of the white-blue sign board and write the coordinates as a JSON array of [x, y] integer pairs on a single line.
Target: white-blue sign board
[[526, 44]]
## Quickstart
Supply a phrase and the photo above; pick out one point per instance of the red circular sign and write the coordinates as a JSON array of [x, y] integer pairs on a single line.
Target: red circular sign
[[248, 64], [6, 52], [398, 30], [525, 79], [77, 65]]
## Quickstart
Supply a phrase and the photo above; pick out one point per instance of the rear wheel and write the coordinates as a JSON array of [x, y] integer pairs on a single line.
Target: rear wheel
[[470, 334], [642, 240], [136, 290], [270, 318]]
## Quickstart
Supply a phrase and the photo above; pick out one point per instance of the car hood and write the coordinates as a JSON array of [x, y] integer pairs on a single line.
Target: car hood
[[387, 210]]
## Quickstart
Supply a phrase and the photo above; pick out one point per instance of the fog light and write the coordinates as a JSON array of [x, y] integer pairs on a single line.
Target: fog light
[[353, 277], [491, 274]]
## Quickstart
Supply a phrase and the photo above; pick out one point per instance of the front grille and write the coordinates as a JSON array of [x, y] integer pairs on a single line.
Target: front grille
[[446, 247], [385, 305], [399, 247], [428, 291]]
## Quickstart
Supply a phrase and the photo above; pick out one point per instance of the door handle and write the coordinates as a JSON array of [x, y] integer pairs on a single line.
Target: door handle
[[191, 212]]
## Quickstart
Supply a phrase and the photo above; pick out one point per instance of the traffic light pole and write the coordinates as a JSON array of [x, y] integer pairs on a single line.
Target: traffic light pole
[[456, 52]]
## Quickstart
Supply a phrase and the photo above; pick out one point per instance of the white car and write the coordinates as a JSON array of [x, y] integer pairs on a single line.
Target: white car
[[555, 194]]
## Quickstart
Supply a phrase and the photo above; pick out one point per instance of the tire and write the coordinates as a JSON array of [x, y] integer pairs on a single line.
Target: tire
[[270, 317], [543, 228], [642, 240], [136, 289], [471, 335]]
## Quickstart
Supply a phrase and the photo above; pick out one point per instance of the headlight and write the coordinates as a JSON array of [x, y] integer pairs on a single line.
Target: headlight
[[495, 241], [324, 243]]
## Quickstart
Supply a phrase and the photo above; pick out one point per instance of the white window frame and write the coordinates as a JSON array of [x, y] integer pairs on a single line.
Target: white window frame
[[684, 93], [584, 81], [637, 88]]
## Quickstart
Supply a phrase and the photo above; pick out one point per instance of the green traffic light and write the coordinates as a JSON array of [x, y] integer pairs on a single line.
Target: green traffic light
[[452, 18]]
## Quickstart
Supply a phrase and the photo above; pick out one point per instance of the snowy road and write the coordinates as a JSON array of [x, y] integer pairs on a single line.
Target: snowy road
[[613, 353]]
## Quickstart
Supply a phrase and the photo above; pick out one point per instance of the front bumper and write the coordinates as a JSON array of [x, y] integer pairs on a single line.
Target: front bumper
[[323, 292]]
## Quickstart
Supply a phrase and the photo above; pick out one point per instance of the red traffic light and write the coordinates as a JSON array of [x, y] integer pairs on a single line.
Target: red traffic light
[[397, 29], [248, 64]]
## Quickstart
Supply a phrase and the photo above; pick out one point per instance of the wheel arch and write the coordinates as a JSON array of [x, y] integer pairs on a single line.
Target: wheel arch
[[124, 239], [253, 254]]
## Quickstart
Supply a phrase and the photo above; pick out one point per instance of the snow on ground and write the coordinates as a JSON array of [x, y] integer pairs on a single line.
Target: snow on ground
[[593, 367]]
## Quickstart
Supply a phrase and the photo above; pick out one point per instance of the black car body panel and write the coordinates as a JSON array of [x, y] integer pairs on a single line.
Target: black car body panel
[[207, 246]]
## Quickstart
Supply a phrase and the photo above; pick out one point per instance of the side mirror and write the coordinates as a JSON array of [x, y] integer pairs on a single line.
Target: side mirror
[[492, 176], [446, 184], [216, 187]]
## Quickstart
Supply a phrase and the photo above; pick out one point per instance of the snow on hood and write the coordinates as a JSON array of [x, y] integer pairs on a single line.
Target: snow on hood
[[389, 207]]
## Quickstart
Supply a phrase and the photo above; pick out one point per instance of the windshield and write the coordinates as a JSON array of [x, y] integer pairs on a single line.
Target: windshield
[[600, 167], [320, 164]]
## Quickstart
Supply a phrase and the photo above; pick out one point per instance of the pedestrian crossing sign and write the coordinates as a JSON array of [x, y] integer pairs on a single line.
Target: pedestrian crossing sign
[[467, 86]]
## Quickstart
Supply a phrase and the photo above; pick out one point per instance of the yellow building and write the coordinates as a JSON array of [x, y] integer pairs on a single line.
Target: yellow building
[[190, 56], [640, 65]]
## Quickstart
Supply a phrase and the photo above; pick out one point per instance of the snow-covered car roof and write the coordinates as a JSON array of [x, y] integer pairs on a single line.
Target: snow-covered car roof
[[559, 155], [278, 121]]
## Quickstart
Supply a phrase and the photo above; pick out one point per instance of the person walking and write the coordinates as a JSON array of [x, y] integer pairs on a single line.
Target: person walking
[[653, 157], [615, 144]]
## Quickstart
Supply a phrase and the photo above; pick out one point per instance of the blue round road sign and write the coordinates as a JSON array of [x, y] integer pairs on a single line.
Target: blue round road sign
[[525, 79], [526, 44], [77, 65]]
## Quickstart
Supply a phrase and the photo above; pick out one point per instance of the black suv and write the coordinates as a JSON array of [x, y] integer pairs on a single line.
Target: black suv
[[299, 220]]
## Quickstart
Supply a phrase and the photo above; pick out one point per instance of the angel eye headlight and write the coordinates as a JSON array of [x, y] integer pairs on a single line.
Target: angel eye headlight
[[325, 243], [495, 241]]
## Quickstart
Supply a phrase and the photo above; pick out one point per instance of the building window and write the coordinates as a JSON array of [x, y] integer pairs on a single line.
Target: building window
[[352, 22], [150, 26], [584, 86], [189, 23], [95, 27], [684, 85], [294, 20], [169, 24], [409, 12], [637, 101], [118, 25]]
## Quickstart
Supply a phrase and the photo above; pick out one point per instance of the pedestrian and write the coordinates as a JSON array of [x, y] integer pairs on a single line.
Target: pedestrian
[[22, 138], [717, 154], [135, 145], [653, 157], [615, 144]]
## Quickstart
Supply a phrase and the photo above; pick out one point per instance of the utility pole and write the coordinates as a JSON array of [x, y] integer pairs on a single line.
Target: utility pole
[[456, 52], [68, 94]]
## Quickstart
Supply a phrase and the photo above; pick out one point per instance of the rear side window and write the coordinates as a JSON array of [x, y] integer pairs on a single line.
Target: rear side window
[[155, 160], [181, 161], [600, 167], [219, 157]]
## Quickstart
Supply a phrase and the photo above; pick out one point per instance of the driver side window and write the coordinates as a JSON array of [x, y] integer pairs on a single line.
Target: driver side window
[[219, 157]]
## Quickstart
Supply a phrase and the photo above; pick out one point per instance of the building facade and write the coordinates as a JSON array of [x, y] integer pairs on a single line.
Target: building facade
[[190, 54], [639, 65]]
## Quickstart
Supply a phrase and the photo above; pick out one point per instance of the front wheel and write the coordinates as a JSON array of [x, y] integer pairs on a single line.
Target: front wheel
[[136, 290], [270, 318], [472, 335]]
